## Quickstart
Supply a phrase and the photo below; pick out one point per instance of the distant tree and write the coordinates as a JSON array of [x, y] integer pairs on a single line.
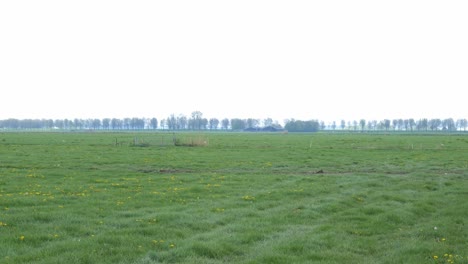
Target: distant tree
[[375, 124], [134, 123], [191, 124], [213, 123], [400, 124], [13, 123], [67, 124], [171, 122], [126, 123], [49, 123], [225, 123], [412, 124], [449, 124], [203, 123], [406, 124], [423, 124], [196, 120], [302, 126], [370, 124], [154, 123], [395, 124], [355, 124], [58, 123], [267, 122], [252, 123], [163, 124], [462, 124], [277, 125], [362, 123], [24, 123], [333, 125], [106, 123], [182, 121], [96, 123], [381, 125], [115, 124], [386, 124], [434, 124], [343, 124], [237, 124], [322, 125]]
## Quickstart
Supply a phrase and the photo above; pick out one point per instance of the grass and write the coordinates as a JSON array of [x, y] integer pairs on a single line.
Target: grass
[[241, 198]]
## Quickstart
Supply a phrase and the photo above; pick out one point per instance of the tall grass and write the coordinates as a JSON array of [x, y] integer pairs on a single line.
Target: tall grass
[[242, 198]]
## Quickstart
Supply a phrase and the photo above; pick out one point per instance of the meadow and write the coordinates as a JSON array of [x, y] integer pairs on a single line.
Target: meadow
[[134, 197]]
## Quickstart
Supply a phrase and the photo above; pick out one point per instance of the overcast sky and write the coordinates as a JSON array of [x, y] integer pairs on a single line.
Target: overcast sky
[[327, 60]]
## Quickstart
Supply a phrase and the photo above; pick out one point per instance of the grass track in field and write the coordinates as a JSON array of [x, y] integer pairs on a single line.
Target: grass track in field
[[238, 198]]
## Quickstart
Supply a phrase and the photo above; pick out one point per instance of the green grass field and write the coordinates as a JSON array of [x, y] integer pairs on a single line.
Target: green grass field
[[233, 198]]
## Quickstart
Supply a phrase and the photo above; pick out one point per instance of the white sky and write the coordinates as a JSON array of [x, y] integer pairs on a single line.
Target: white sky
[[327, 60]]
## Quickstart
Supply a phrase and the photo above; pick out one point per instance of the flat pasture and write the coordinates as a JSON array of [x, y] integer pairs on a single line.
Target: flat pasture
[[135, 197]]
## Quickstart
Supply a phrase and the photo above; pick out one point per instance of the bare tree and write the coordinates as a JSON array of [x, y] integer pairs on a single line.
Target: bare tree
[[322, 125], [213, 123], [106, 123], [412, 124], [362, 123], [225, 123], [171, 122], [449, 124], [462, 124], [154, 123], [251, 122], [355, 124], [196, 120], [395, 124], [267, 122], [386, 123], [182, 122], [434, 124], [343, 124]]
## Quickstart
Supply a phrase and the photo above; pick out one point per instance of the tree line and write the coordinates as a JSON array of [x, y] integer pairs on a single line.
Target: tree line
[[196, 121], [424, 124]]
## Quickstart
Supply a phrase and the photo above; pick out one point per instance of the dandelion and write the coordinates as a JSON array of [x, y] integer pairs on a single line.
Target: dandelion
[[171, 245], [2, 224], [248, 198], [21, 238]]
